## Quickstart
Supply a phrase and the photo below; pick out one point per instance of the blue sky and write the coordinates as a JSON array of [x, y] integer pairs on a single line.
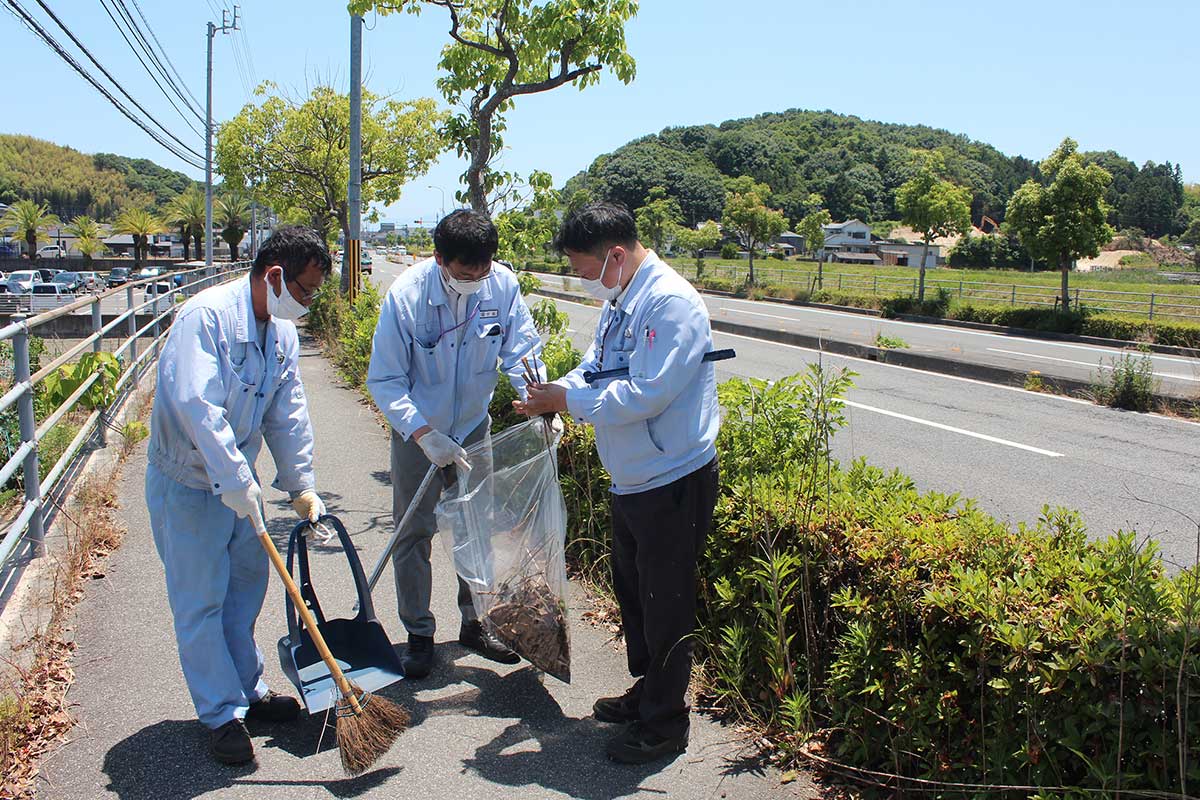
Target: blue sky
[[1020, 76]]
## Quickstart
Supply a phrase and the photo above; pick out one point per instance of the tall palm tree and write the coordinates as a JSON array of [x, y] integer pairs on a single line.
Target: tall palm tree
[[141, 225], [186, 211], [88, 247], [232, 215], [30, 221], [87, 237]]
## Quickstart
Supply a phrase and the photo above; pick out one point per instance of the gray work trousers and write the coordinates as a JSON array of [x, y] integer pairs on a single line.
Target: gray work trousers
[[410, 559]]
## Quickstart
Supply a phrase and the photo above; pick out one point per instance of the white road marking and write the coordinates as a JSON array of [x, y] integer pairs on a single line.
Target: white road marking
[[952, 429], [965, 331], [1087, 363]]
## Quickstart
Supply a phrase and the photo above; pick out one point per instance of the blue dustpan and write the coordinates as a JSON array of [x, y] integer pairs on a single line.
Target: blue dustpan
[[360, 646]]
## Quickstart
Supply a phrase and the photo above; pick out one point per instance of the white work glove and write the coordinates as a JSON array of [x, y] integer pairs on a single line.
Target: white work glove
[[442, 450], [308, 505], [245, 501]]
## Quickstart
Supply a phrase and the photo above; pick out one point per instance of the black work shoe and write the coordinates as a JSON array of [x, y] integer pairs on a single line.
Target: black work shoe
[[274, 707], [620, 709], [230, 744], [473, 637], [418, 661], [637, 744]]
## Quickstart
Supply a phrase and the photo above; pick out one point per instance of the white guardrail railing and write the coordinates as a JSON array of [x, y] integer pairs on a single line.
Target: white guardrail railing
[[29, 525]]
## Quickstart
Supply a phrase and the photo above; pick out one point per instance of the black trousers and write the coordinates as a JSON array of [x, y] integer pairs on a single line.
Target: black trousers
[[657, 537]]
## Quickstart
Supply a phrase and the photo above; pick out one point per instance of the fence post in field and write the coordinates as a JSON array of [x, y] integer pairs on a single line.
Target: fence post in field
[[960, 290], [1013, 301], [1152, 306], [33, 481], [875, 284]]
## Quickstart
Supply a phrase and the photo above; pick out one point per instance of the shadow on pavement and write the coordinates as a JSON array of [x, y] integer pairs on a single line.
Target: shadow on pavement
[[169, 761]]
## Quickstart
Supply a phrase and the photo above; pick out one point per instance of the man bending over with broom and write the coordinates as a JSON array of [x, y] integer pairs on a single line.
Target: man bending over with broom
[[228, 379]]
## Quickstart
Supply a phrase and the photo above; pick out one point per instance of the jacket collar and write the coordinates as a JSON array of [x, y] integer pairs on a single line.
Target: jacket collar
[[642, 279], [246, 331]]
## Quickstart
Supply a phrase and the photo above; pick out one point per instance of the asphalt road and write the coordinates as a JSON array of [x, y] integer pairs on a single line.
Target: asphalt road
[[1178, 376], [1010, 450]]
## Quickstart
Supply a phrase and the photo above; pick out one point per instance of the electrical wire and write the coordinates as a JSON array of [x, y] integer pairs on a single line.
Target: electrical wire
[[33, 25], [114, 81], [149, 71], [196, 103], [136, 29]]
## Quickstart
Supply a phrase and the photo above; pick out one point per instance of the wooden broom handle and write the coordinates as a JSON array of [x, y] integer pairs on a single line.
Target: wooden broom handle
[[310, 624]]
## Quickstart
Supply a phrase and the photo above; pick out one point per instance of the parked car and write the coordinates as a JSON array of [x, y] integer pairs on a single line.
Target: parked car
[[48, 296], [23, 280], [47, 273], [118, 277], [147, 272], [51, 251], [90, 280], [70, 281], [163, 292], [366, 263]]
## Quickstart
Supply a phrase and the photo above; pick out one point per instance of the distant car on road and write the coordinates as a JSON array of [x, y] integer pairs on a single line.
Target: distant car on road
[[47, 273], [51, 251], [22, 281], [147, 272], [48, 296], [163, 292], [90, 280], [118, 277], [70, 281], [366, 263]]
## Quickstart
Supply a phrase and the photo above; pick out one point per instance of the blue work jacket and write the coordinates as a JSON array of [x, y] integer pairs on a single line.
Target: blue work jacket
[[660, 423], [425, 370], [220, 395]]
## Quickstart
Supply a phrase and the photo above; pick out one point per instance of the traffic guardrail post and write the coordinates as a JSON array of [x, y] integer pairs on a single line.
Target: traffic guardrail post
[[28, 424]]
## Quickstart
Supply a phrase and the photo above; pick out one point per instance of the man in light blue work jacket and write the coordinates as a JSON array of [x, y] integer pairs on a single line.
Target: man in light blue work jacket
[[228, 379], [445, 325], [656, 432]]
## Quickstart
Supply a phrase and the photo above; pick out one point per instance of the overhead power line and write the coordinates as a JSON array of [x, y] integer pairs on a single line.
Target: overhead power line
[[149, 71], [195, 103], [132, 25], [113, 80], [184, 154]]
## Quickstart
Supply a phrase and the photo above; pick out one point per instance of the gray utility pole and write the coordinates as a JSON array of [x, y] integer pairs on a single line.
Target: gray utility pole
[[253, 229], [350, 263], [226, 27]]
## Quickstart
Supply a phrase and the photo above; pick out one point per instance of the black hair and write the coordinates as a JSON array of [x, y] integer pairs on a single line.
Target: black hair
[[596, 226], [293, 247], [466, 236]]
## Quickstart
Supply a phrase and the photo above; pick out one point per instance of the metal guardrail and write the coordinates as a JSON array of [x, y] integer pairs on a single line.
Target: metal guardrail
[[29, 525], [1153, 305]]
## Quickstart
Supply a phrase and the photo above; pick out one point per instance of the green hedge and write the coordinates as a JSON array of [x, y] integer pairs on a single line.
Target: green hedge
[[914, 634]]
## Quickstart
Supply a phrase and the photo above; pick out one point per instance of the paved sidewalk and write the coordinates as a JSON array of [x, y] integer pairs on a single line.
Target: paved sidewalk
[[480, 730]]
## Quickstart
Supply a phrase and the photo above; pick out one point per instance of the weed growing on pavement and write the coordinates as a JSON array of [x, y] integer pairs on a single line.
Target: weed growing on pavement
[[1128, 382], [1034, 382], [890, 342]]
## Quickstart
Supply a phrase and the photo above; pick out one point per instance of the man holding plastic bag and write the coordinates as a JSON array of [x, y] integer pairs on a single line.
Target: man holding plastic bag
[[443, 327], [656, 432]]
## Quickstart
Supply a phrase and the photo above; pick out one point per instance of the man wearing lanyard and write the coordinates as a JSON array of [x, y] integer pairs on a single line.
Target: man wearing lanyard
[[656, 433], [229, 379], [443, 327]]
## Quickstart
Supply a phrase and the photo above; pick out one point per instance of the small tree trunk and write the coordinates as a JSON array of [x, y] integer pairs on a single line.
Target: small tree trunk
[[31, 243], [921, 284], [1064, 263], [820, 274], [750, 278], [184, 234]]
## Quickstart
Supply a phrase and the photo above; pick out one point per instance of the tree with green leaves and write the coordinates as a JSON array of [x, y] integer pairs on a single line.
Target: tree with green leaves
[[500, 50], [295, 156], [933, 207], [525, 231], [747, 214], [29, 221], [141, 225], [186, 212], [658, 218], [232, 215], [812, 228], [697, 240], [87, 236], [1064, 218]]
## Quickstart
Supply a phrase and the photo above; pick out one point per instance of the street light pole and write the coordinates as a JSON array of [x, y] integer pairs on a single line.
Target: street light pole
[[226, 26], [350, 264], [443, 191]]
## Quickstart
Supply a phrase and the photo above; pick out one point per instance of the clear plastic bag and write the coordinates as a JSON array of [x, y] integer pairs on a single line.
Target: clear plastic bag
[[504, 524]]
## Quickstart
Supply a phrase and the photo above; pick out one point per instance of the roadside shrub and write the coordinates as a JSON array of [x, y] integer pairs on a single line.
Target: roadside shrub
[[1133, 329], [353, 353], [1035, 319], [1127, 382], [937, 305], [729, 250]]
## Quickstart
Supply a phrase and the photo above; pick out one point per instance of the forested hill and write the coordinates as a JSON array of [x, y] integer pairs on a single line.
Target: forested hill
[[850, 166], [76, 183]]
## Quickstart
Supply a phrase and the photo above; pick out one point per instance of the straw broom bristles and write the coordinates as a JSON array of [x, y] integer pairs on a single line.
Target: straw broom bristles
[[366, 734]]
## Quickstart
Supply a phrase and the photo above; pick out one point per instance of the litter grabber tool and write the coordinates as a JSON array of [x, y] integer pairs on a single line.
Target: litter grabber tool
[[367, 725], [621, 372]]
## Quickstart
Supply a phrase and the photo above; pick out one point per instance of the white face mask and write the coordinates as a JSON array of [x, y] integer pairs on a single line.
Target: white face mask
[[597, 289], [283, 305], [464, 287]]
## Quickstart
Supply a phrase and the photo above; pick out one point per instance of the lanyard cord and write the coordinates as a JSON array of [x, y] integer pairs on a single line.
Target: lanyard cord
[[444, 331], [614, 313]]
